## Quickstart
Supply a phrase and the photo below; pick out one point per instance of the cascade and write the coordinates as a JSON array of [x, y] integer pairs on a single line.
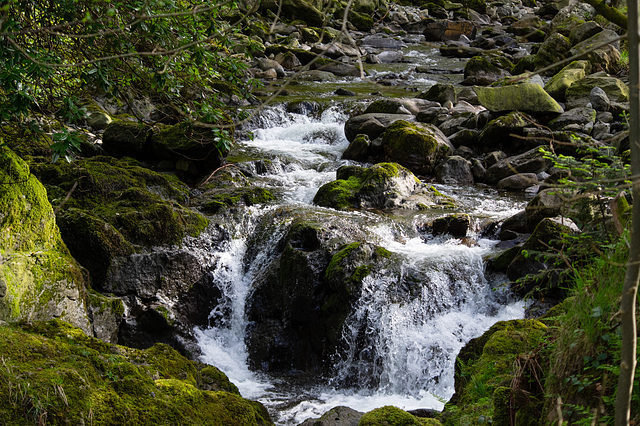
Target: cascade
[[398, 345]]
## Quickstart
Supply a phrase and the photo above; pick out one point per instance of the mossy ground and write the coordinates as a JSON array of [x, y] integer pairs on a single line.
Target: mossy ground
[[394, 416], [53, 374]]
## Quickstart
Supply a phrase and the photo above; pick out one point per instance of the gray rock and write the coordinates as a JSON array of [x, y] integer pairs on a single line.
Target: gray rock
[[576, 119], [579, 93], [99, 120], [516, 224], [390, 56], [337, 416], [601, 50], [455, 170], [372, 125], [599, 99], [584, 31], [518, 182], [532, 161]]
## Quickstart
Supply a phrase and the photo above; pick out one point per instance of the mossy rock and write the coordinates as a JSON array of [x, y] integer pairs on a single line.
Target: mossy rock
[[558, 84], [417, 146], [69, 378], [485, 368], [528, 97], [39, 279], [236, 197], [553, 50], [361, 21], [117, 206], [394, 416]]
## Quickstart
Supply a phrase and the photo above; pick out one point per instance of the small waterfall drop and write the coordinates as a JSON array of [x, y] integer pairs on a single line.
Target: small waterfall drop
[[405, 330]]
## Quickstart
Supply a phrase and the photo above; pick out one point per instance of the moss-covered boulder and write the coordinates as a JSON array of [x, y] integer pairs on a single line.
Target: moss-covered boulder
[[382, 186], [558, 84], [487, 365], [373, 124], [116, 207], [39, 279], [526, 97], [554, 49], [300, 301], [394, 416], [505, 133], [419, 147], [296, 10], [65, 377]]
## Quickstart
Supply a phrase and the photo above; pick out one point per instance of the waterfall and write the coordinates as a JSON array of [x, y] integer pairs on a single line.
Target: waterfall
[[400, 341]]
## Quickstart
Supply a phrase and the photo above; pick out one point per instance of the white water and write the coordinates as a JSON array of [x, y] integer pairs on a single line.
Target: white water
[[401, 350]]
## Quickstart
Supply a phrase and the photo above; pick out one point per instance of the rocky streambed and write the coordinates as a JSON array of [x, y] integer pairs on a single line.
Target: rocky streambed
[[373, 218]]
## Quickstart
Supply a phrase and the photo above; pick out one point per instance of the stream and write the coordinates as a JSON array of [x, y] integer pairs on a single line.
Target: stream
[[410, 342]]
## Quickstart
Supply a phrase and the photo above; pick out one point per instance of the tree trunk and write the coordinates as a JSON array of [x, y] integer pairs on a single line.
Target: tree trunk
[[610, 13], [628, 301]]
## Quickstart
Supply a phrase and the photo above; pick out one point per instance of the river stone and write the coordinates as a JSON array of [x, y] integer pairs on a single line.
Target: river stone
[[441, 93], [576, 119], [417, 146], [532, 161], [337, 416], [487, 68], [549, 202], [518, 182], [516, 224], [336, 50], [464, 137], [505, 133], [380, 41], [455, 225], [570, 16], [399, 106], [381, 186], [478, 170], [266, 64], [455, 170], [390, 56], [578, 94], [458, 49], [606, 55], [315, 75], [530, 28], [339, 69], [558, 84], [553, 50], [449, 30], [518, 97], [358, 149], [372, 125]]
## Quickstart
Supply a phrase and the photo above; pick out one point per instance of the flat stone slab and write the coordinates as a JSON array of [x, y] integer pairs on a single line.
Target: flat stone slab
[[517, 97]]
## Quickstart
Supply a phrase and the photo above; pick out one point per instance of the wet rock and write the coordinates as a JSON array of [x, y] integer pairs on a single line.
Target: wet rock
[[380, 41], [344, 92], [464, 137], [390, 56], [266, 64], [558, 84], [518, 97], [455, 225], [514, 225], [399, 106], [455, 170], [518, 182], [372, 125], [339, 69], [337, 416], [456, 49], [478, 170], [358, 149], [449, 30], [315, 75], [303, 107], [336, 50], [532, 161], [417, 146], [382, 186]]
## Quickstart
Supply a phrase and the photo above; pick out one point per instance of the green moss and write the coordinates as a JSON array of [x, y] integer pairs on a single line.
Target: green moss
[[53, 372], [339, 194], [488, 364], [235, 197], [391, 416], [336, 261]]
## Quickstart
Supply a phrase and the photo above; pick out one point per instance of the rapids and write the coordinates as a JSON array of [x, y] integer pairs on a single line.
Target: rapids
[[406, 329]]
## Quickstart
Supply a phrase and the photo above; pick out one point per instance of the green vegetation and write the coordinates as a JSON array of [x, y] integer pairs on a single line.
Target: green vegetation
[[52, 373], [393, 416]]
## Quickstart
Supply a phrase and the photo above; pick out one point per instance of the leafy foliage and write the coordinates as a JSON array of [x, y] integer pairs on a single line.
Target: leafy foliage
[[175, 52]]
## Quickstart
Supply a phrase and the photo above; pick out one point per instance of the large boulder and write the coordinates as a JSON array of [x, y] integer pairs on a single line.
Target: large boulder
[[558, 84], [487, 68], [553, 50], [417, 146], [455, 170], [382, 186], [527, 97], [39, 280], [372, 125], [505, 133]]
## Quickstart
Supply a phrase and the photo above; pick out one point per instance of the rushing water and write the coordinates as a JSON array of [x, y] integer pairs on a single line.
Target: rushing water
[[410, 343]]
